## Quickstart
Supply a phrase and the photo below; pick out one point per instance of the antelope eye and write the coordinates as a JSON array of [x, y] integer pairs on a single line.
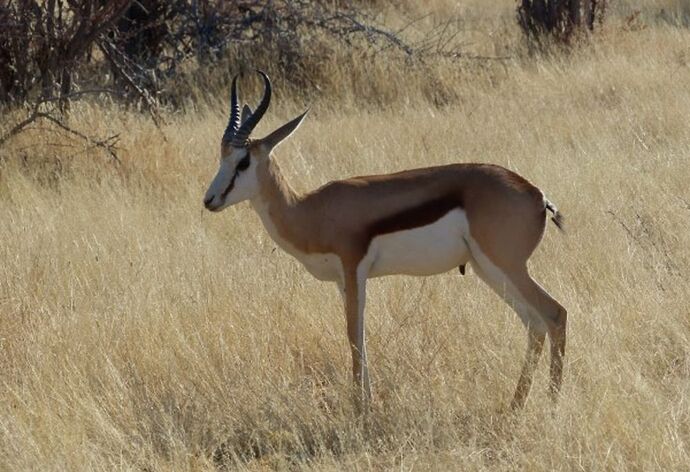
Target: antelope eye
[[244, 163]]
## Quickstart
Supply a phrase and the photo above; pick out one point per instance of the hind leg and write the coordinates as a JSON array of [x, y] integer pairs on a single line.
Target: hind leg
[[539, 311], [536, 328], [555, 318], [535, 343]]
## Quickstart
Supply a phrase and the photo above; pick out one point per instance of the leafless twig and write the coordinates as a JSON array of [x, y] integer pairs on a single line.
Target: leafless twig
[[37, 113], [110, 52], [107, 144]]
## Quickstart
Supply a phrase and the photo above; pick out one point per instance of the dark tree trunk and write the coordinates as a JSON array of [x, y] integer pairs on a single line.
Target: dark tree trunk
[[558, 19]]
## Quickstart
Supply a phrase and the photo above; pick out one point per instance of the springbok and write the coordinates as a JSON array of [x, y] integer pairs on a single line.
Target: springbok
[[417, 222]]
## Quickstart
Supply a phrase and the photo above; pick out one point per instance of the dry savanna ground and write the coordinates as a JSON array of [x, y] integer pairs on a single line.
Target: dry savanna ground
[[138, 332]]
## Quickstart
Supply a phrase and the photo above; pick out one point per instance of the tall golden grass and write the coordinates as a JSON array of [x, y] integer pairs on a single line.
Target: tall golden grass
[[138, 332]]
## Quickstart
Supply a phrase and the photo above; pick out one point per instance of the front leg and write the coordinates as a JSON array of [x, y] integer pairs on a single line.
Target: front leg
[[354, 294]]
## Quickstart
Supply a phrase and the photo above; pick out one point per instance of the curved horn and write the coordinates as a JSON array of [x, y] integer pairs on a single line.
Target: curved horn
[[242, 134], [234, 122]]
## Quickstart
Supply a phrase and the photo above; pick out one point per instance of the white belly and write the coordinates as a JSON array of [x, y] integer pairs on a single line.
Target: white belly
[[432, 249]]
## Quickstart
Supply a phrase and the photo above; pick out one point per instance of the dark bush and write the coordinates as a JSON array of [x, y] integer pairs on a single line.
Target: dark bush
[[42, 43], [559, 20], [49, 48], [146, 53]]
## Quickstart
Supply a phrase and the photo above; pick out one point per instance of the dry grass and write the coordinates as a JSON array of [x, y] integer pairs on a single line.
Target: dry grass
[[138, 332]]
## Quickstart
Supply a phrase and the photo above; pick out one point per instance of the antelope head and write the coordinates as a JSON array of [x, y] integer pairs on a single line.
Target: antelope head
[[241, 157]]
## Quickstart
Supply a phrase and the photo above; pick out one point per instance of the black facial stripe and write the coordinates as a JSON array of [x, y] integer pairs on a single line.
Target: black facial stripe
[[242, 165], [230, 185]]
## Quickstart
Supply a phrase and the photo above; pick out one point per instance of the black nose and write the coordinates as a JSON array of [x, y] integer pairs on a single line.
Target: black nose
[[207, 202]]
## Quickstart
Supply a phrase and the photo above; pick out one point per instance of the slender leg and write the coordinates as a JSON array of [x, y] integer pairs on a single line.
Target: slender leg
[[505, 287], [535, 343], [557, 335], [554, 317], [355, 293], [506, 273]]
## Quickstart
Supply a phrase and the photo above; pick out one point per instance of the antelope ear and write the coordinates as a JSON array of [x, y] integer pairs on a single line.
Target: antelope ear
[[276, 137], [246, 113]]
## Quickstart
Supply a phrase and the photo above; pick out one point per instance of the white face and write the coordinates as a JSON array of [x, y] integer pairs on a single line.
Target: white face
[[235, 181]]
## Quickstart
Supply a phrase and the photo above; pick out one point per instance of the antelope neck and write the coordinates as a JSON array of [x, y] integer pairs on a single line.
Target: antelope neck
[[277, 204]]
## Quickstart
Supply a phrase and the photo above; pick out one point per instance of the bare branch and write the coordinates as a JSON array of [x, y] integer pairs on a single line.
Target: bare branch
[[107, 144], [109, 51], [19, 127]]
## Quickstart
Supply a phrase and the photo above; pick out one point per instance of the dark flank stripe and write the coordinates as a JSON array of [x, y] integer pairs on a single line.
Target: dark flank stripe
[[415, 217]]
